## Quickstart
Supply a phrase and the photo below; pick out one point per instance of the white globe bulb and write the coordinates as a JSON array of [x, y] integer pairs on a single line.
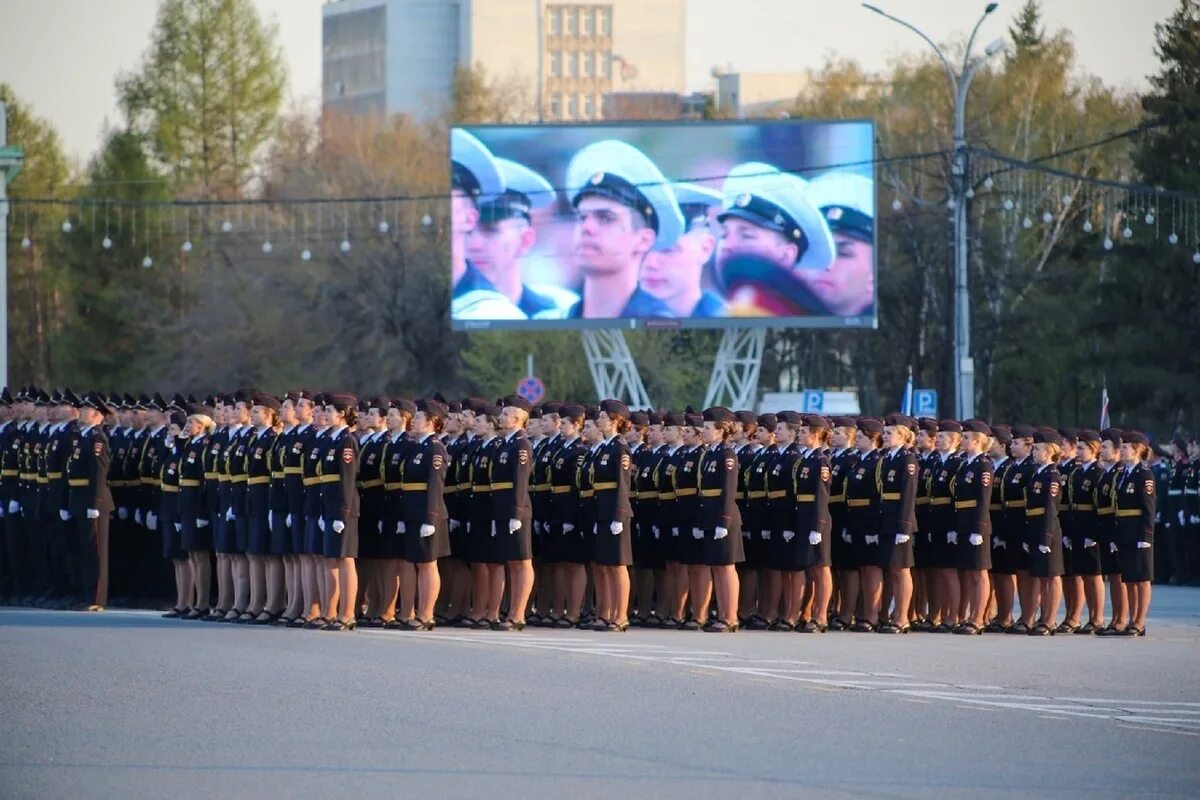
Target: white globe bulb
[[226, 226], [1008, 204], [384, 227], [344, 246], [1047, 217], [1108, 243], [970, 193], [1128, 232], [1173, 238], [66, 226], [106, 243], [1087, 226], [426, 220], [25, 243], [897, 205], [988, 183], [266, 248], [951, 203], [306, 255], [1066, 199], [147, 262], [1027, 223], [1196, 257], [1149, 217], [186, 246]]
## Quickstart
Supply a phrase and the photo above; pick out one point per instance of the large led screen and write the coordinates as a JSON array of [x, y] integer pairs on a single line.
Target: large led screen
[[682, 224]]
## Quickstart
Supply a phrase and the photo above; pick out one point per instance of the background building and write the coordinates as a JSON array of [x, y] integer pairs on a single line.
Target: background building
[[748, 94], [399, 56]]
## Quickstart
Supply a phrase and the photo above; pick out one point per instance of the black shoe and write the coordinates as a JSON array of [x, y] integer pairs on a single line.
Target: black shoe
[[195, 614], [1017, 628], [174, 613], [1132, 630]]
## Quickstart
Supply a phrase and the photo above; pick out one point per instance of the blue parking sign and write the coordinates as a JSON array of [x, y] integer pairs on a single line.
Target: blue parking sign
[[814, 401], [925, 402]]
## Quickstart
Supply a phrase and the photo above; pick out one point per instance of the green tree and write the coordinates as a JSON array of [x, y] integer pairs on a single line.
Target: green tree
[[1027, 32], [208, 93]]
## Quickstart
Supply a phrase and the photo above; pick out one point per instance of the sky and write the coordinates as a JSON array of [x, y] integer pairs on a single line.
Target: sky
[[62, 56]]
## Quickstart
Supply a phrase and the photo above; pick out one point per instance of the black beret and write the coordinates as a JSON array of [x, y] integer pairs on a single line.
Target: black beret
[[614, 408], [816, 422], [903, 420], [341, 401], [474, 404], [266, 401], [591, 412], [515, 401], [768, 421], [488, 409], [694, 420], [6, 399], [790, 417], [1135, 437], [1111, 435], [431, 408], [1070, 434], [844, 422], [1088, 435], [200, 409], [1047, 436], [718, 414], [655, 418], [976, 426], [572, 411], [382, 402], [69, 398], [870, 425], [1180, 441], [640, 418], [535, 412], [454, 407], [949, 426], [552, 407], [927, 424], [404, 405], [1002, 434], [178, 418], [747, 417], [1020, 431], [673, 419]]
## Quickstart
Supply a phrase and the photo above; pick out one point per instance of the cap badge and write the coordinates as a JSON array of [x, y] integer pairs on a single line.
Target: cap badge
[[833, 214], [596, 179], [742, 200]]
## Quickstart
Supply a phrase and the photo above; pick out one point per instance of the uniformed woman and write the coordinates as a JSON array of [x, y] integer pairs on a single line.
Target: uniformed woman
[[1135, 528], [512, 516], [1106, 531], [396, 575], [278, 560], [426, 523], [235, 514], [300, 406], [944, 537], [862, 526], [698, 591], [813, 478], [756, 521], [924, 576], [263, 416], [339, 514], [216, 493], [896, 474], [312, 561], [478, 506], [843, 440], [372, 535], [972, 492], [786, 552], [1043, 536], [647, 553], [1010, 560], [674, 587], [611, 471], [195, 531], [1085, 549], [455, 599], [167, 513], [719, 520], [563, 548]]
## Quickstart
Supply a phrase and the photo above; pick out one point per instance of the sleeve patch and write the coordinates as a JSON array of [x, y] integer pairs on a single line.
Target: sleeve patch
[[348, 455], [1150, 487], [625, 462], [987, 479], [1054, 488], [523, 456], [438, 462], [824, 474], [912, 469], [98, 448]]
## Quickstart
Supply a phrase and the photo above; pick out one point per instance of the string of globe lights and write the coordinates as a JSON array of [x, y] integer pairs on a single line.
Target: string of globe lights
[[1036, 198]]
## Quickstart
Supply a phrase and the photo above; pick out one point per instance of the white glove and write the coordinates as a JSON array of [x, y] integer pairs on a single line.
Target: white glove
[[1195, 519], [745, 533], [720, 533], [379, 526], [1067, 543], [400, 528], [137, 516], [288, 520], [122, 513], [951, 537], [654, 528], [1143, 545], [674, 531], [1112, 547], [697, 533], [426, 530], [615, 528], [338, 526], [975, 539], [1043, 548], [789, 535], [537, 527], [1181, 516], [765, 535], [270, 520], [64, 515], [152, 520], [873, 539], [229, 515], [594, 529], [1025, 546], [454, 525], [321, 523], [178, 527], [493, 527], [814, 537], [201, 523], [846, 536], [1088, 543], [93, 513], [514, 525], [902, 538], [568, 527], [15, 508], [998, 543]]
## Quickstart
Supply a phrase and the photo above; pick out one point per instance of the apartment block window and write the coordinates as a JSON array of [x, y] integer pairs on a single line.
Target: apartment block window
[[589, 107], [572, 21], [605, 65], [555, 21], [572, 107], [556, 63], [589, 21], [605, 21], [572, 65], [555, 107], [589, 64]]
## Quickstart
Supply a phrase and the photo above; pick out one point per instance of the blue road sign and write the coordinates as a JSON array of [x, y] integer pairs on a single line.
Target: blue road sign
[[531, 388], [925, 402], [814, 401]]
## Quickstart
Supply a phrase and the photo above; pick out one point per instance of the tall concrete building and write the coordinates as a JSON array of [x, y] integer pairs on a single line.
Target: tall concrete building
[[398, 56]]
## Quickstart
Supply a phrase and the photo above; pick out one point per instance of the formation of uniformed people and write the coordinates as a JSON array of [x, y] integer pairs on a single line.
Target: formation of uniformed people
[[324, 511]]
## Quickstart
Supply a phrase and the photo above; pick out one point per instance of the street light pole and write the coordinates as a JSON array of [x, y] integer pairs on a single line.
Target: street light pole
[[960, 83]]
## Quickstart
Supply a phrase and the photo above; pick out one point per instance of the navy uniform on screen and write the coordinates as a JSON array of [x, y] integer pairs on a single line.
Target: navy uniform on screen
[[847, 201], [624, 208], [674, 274], [770, 230]]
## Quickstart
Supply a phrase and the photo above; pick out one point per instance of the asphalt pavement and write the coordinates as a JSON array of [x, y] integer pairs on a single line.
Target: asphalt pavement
[[125, 704]]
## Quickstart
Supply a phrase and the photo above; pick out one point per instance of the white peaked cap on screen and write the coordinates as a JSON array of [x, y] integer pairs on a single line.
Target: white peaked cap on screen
[[694, 194], [520, 178], [624, 174], [485, 304], [470, 154], [848, 202], [762, 195]]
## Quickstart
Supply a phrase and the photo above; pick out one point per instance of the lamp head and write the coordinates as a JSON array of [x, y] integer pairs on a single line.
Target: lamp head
[[994, 47]]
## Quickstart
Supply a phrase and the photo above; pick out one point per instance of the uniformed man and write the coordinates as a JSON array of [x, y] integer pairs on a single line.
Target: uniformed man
[[624, 208], [90, 500], [770, 230], [675, 274], [847, 287]]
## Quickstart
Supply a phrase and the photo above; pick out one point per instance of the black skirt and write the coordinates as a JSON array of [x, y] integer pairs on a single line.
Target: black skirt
[[1137, 563], [893, 555], [975, 556], [515, 546], [1085, 561], [789, 556], [820, 554], [420, 549], [1046, 565], [723, 552], [281, 534], [340, 545], [259, 543], [224, 534], [613, 549]]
